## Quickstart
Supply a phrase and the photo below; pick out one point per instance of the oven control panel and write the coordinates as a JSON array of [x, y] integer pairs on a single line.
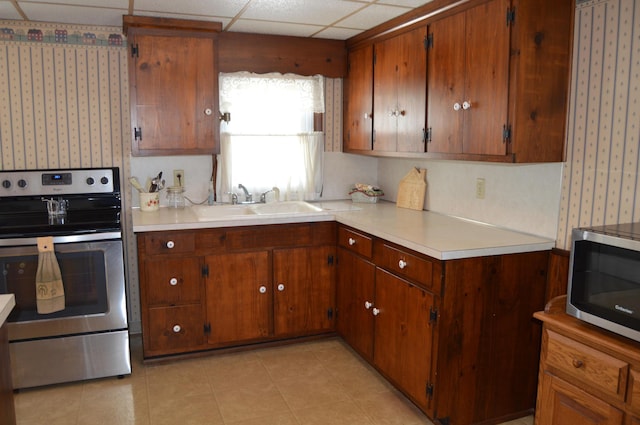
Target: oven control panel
[[58, 182]]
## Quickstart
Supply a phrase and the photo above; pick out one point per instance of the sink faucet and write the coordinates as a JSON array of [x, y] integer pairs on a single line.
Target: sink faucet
[[275, 190], [247, 196]]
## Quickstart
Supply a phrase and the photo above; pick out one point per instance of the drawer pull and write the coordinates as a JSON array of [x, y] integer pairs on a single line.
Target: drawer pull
[[577, 363], [402, 264], [177, 328], [368, 305], [173, 281], [170, 244], [352, 241], [263, 289], [376, 311], [281, 287]]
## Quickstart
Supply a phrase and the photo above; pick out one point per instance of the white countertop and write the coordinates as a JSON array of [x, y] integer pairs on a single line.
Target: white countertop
[[7, 302], [436, 235]]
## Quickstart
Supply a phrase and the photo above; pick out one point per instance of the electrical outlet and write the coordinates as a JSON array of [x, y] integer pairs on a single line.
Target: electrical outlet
[[178, 178], [480, 188]]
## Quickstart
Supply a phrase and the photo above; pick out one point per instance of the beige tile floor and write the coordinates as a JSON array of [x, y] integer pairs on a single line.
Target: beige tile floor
[[319, 382]]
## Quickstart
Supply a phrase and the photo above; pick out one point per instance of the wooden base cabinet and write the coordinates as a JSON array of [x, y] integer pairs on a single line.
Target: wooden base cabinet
[[587, 375], [224, 287], [454, 336]]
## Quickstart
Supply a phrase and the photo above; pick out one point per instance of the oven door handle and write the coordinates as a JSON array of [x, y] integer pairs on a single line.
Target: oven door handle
[[89, 237]]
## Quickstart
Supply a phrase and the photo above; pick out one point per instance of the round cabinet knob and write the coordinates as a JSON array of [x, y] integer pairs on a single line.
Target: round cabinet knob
[[368, 116], [368, 305], [177, 328], [456, 106], [170, 244], [281, 287], [173, 281], [263, 289], [466, 105], [402, 264], [403, 112], [208, 112], [352, 241], [577, 363], [375, 311]]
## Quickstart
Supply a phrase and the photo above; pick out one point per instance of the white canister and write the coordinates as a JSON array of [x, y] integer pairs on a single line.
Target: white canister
[[149, 201]]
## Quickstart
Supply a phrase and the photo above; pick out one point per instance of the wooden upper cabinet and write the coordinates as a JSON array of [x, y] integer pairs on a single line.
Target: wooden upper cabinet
[[358, 121], [400, 92], [468, 81], [173, 82]]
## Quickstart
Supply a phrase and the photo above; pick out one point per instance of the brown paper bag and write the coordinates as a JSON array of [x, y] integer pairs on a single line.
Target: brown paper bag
[[411, 190]]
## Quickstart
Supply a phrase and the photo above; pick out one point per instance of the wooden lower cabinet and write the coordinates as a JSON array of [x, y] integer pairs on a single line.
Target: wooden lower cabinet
[[7, 408], [224, 287], [454, 336], [587, 375], [239, 295]]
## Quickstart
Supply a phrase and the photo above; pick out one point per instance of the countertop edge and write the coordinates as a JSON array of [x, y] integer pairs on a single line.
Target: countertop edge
[[7, 302]]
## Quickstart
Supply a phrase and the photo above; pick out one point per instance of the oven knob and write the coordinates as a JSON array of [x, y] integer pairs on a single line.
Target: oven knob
[[6, 184], [104, 180], [90, 181], [22, 183]]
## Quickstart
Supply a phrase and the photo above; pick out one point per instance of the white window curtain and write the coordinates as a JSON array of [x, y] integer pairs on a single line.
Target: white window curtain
[[270, 141]]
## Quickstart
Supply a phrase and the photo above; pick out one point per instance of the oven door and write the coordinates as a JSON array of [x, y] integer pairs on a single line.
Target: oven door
[[93, 279]]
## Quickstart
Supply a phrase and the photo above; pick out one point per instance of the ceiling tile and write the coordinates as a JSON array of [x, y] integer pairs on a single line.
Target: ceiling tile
[[275, 28], [407, 3], [337, 33], [317, 12], [7, 11], [222, 8], [372, 16], [73, 14]]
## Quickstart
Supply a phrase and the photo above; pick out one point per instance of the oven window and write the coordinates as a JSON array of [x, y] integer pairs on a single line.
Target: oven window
[[83, 276], [606, 282]]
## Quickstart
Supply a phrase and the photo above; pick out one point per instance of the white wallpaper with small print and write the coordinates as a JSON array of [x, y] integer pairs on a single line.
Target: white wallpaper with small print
[[601, 175]]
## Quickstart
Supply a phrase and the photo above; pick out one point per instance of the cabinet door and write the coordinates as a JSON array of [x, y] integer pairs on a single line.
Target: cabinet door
[[239, 293], [304, 293], [355, 288], [174, 84], [561, 403], [359, 100], [486, 78], [469, 62], [400, 93], [403, 334]]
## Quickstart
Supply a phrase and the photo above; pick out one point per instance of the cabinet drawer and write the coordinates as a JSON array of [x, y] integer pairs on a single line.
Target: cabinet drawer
[[174, 329], [356, 242], [168, 242], [597, 369], [404, 263], [173, 281]]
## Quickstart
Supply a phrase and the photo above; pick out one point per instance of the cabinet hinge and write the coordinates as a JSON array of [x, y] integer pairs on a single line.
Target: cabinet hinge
[[134, 50], [373, 136], [207, 328], [433, 315], [428, 41], [330, 260], [137, 133], [511, 15], [506, 133], [330, 314], [205, 270], [426, 135], [375, 58], [429, 390]]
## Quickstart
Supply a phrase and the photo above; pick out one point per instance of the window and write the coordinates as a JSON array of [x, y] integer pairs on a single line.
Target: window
[[270, 140]]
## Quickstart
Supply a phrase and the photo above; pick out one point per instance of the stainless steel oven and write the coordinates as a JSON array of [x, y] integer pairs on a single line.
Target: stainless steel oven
[[88, 337]]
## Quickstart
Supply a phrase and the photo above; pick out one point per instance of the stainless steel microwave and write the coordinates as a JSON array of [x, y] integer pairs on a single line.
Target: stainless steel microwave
[[604, 278]]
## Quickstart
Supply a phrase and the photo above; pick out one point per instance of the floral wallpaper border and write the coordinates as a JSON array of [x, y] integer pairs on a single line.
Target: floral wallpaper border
[[61, 34]]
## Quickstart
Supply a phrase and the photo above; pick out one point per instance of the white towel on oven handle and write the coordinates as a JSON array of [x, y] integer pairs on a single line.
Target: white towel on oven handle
[[49, 286]]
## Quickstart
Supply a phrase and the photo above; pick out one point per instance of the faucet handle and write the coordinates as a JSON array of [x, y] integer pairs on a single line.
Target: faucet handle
[[234, 197]]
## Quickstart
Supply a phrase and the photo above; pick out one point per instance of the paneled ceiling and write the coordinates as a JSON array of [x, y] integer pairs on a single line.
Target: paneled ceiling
[[333, 19]]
